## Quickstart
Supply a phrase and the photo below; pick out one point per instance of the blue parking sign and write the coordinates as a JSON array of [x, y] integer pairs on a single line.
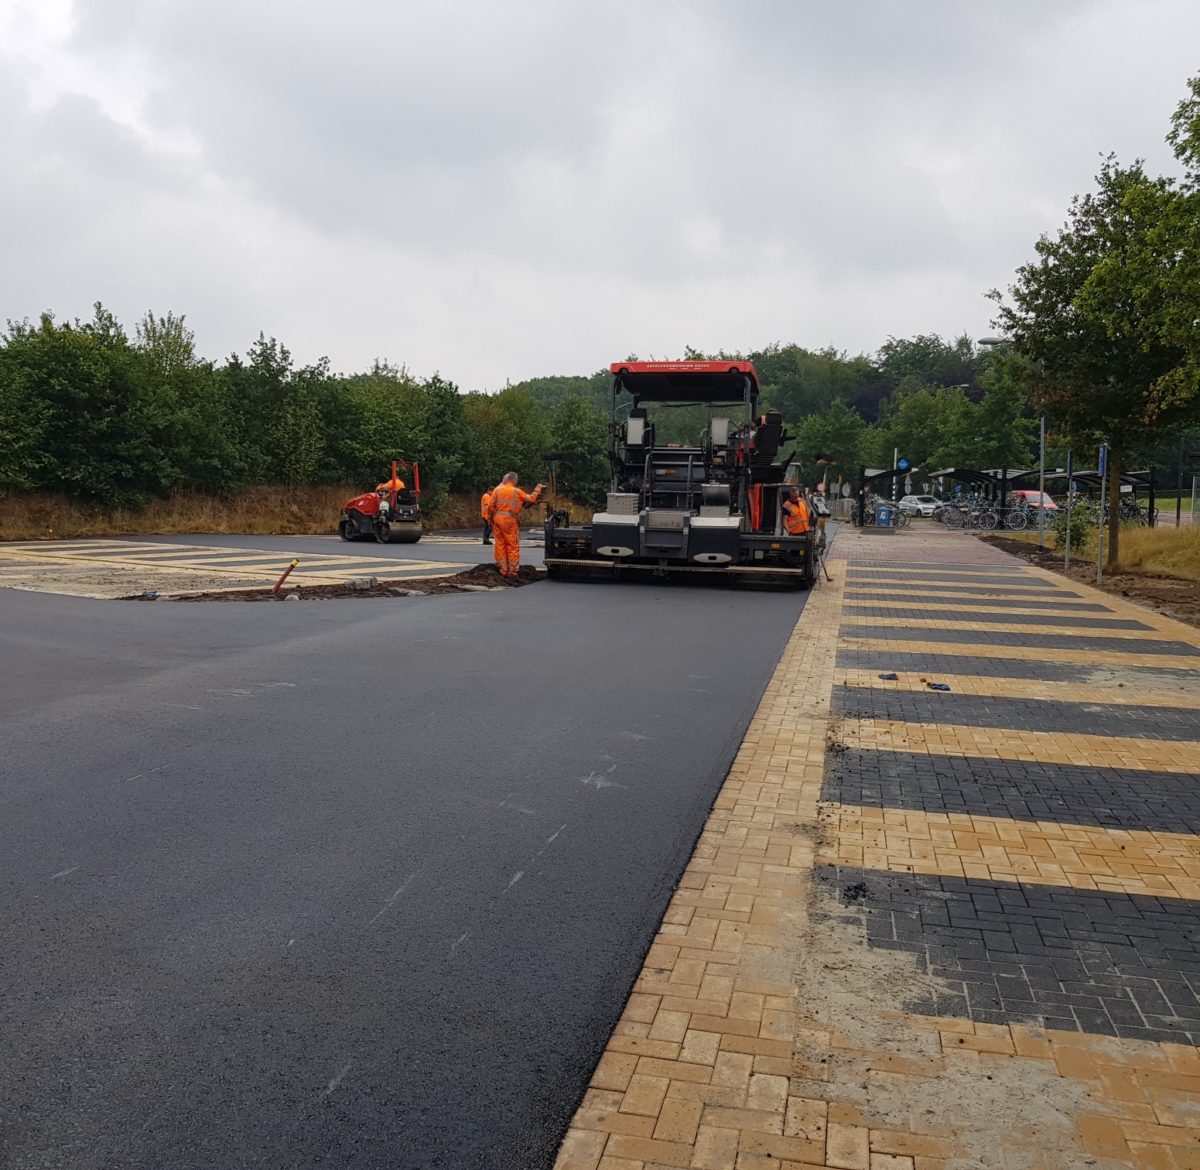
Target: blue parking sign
[[1103, 469]]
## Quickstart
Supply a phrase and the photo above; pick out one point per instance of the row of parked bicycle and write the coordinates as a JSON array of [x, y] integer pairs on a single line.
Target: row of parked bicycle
[[1020, 510]]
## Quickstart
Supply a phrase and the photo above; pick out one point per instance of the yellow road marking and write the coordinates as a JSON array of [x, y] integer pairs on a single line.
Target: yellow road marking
[[1004, 743]]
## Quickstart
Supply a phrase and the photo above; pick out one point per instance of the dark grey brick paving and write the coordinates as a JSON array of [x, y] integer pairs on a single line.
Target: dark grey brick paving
[[1067, 621], [1075, 794], [931, 664], [858, 598], [1034, 640], [959, 710], [1003, 953]]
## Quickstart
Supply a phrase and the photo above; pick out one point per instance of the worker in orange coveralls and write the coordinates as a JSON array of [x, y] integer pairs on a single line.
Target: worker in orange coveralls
[[795, 513], [507, 502], [485, 505], [395, 484]]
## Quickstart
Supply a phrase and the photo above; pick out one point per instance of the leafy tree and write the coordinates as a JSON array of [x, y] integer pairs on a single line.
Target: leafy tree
[[579, 433], [96, 426], [508, 433], [1088, 318], [927, 360], [836, 432]]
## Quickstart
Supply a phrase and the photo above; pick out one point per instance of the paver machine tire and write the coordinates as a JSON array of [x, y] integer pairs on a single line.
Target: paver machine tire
[[387, 532]]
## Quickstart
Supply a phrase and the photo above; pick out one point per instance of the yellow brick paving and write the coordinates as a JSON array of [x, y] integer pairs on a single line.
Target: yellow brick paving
[[1186, 694], [1038, 852], [726, 1057], [1003, 743]]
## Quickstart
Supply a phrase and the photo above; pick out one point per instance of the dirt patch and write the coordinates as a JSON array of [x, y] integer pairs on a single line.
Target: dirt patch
[[1165, 595], [472, 580]]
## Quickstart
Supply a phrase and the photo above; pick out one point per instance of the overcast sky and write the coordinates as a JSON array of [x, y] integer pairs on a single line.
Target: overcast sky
[[496, 189]]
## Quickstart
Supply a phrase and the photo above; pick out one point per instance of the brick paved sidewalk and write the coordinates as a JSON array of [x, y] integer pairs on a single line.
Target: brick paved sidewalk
[[930, 929]]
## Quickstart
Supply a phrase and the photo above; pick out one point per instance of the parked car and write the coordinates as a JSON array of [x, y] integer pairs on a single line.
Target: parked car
[[1033, 500], [920, 505]]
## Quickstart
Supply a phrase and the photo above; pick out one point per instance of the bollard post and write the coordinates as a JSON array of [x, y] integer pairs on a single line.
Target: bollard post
[[286, 573]]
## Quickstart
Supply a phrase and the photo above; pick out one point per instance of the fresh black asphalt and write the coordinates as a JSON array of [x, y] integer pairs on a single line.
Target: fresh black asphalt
[[357, 883]]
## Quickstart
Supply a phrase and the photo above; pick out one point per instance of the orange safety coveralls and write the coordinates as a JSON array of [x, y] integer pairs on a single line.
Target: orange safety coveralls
[[795, 516], [393, 485], [507, 502]]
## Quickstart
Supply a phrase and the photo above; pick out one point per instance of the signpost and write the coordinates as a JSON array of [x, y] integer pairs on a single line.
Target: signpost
[[1102, 471]]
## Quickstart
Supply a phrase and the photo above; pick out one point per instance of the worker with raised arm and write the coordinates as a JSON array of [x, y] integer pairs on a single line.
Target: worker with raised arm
[[507, 502], [795, 513], [485, 508]]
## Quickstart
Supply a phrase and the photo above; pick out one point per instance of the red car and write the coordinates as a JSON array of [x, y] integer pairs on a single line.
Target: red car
[[1033, 500]]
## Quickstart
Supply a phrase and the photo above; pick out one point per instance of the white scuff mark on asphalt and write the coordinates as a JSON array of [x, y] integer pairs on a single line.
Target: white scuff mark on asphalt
[[277, 684], [291, 941], [337, 1080], [595, 780], [529, 812], [408, 881], [549, 841], [516, 877], [458, 942], [241, 694], [185, 706], [634, 735], [612, 768], [142, 775], [63, 873]]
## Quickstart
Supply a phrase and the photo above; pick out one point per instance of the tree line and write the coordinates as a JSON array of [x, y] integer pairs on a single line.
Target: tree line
[[96, 413]]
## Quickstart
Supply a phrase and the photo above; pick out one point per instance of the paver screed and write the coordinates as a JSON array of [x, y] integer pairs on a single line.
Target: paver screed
[[927, 929]]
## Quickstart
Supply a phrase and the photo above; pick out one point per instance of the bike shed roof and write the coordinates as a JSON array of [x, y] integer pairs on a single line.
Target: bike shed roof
[[973, 475], [1137, 479]]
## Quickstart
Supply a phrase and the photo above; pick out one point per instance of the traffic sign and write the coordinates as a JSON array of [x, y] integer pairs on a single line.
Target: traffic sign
[[902, 465], [1102, 470]]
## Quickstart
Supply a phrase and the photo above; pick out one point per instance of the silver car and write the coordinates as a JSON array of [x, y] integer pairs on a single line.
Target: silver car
[[920, 505]]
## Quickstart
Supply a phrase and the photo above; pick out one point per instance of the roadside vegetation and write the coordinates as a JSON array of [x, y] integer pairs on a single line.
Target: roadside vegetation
[[254, 511]]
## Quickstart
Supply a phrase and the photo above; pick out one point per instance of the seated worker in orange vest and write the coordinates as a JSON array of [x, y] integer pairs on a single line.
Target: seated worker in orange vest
[[795, 513], [485, 505], [507, 502]]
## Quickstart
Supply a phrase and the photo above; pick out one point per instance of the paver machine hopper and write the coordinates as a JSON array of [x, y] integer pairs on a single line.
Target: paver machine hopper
[[712, 508], [391, 514]]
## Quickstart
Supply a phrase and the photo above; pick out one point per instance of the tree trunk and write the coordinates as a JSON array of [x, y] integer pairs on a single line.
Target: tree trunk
[[1114, 511]]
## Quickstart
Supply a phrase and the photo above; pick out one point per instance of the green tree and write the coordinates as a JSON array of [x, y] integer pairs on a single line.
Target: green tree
[[579, 435], [1087, 316], [837, 432], [508, 433], [96, 426]]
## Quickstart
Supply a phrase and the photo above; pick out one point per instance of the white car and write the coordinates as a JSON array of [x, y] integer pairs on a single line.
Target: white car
[[920, 505]]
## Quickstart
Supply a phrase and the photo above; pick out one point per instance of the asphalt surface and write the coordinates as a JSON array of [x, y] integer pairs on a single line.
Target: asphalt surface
[[344, 884]]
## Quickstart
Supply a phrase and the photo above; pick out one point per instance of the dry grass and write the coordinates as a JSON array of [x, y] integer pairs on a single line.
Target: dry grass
[[1162, 552], [258, 511]]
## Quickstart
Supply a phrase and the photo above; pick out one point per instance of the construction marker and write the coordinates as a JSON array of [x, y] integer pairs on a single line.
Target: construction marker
[[286, 573]]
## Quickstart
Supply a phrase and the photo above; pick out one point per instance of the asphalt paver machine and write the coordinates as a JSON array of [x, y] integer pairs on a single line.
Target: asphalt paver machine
[[711, 509]]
